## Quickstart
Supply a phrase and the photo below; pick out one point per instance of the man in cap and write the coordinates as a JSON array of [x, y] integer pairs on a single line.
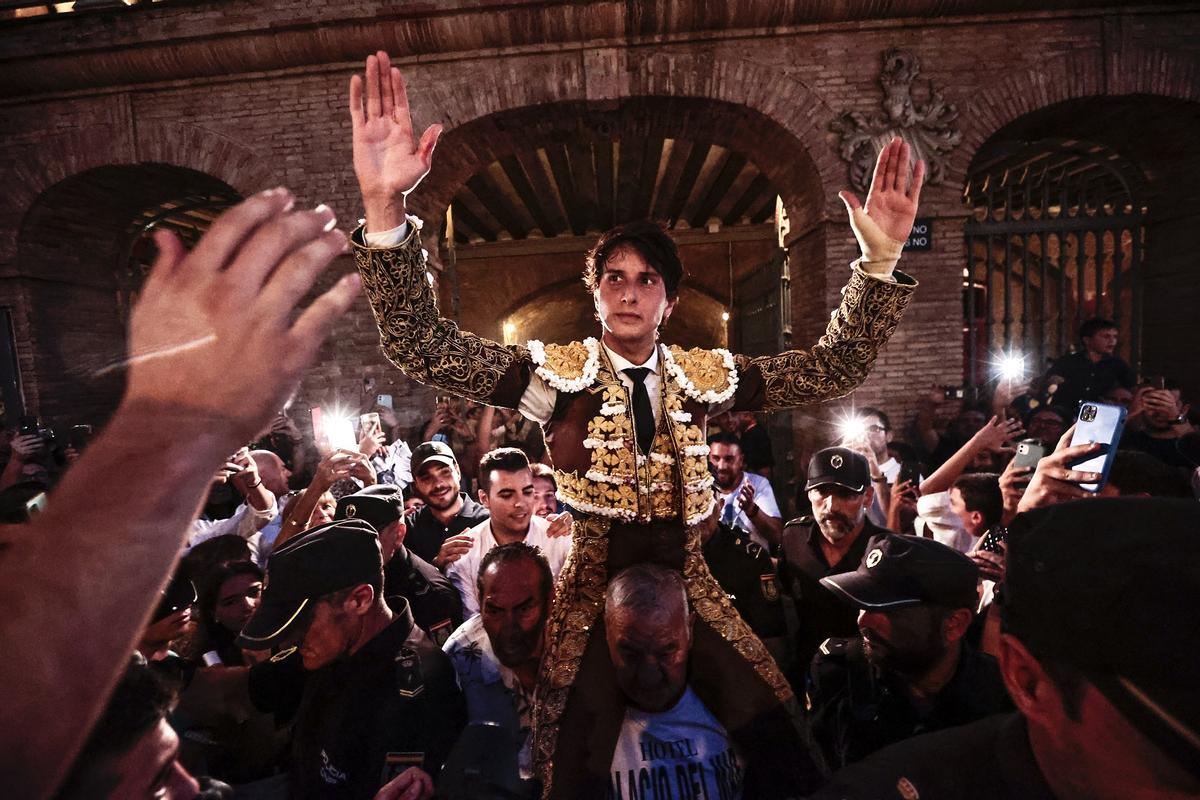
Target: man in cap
[[911, 670], [371, 695], [435, 531], [406, 576], [831, 541], [1101, 632]]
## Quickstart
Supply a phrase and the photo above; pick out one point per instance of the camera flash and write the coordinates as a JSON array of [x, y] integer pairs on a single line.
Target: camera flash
[[1011, 367]]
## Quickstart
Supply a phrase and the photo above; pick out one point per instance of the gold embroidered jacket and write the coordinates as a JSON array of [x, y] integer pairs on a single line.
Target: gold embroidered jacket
[[599, 470]]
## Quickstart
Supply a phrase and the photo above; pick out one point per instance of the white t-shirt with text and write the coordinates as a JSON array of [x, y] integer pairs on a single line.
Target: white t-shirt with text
[[675, 754]]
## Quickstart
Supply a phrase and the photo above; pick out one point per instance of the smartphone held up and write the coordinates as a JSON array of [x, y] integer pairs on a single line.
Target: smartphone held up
[[1098, 423]]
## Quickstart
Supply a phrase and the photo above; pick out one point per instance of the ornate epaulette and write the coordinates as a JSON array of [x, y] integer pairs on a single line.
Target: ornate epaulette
[[567, 367], [708, 376]]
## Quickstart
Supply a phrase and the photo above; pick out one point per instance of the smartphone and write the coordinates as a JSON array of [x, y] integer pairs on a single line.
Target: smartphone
[[1029, 453], [992, 539], [383, 400], [952, 392], [368, 421], [1098, 422], [318, 422], [910, 471], [29, 426], [1156, 381]]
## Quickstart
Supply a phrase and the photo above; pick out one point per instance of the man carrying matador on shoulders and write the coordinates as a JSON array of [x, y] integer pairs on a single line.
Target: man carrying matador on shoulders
[[628, 417]]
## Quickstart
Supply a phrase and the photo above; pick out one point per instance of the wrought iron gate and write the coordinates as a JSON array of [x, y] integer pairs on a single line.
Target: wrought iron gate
[[1055, 237]]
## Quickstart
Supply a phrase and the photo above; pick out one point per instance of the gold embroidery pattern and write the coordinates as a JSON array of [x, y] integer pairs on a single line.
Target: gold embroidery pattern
[[579, 601], [567, 360], [868, 315], [413, 335], [707, 370]]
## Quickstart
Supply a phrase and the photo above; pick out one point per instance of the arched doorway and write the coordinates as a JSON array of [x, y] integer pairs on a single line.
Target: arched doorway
[[1056, 237], [83, 252], [1115, 241]]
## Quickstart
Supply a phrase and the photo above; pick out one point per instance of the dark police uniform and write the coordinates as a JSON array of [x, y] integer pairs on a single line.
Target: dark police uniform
[[857, 708], [820, 614], [986, 760], [747, 574], [426, 534], [436, 605], [363, 720], [1106, 587], [409, 580]]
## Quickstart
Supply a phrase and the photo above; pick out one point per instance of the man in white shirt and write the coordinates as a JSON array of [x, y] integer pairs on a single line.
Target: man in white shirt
[[497, 653], [506, 490], [668, 734], [746, 498], [260, 477]]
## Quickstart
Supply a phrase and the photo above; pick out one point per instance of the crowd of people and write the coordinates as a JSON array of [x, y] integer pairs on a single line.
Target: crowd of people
[[967, 609]]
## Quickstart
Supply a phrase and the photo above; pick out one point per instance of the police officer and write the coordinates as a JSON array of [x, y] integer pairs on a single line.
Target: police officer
[[435, 603], [1101, 638], [831, 541], [911, 671], [371, 695], [746, 572]]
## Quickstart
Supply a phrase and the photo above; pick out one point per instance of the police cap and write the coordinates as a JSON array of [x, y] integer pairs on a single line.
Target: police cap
[[378, 505], [336, 555], [841, 466], [898, 571]]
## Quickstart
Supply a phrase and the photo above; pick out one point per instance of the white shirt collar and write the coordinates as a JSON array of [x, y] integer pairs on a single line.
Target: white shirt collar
[[620, 363]]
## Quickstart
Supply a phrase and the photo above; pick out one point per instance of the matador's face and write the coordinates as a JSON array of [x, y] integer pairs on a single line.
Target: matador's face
[[631, 298]]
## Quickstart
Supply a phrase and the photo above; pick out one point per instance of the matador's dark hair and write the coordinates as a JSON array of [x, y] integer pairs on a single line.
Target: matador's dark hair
[[650, 241]]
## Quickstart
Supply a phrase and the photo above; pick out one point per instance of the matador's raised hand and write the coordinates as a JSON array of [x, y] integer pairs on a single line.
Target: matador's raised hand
[[884, 224], [388, 161]]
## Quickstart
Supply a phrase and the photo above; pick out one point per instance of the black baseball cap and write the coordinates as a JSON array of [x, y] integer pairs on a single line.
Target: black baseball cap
[[841, 466], [1110, 587], [898, 571], [333, 556], [426, 452], [378, 505]]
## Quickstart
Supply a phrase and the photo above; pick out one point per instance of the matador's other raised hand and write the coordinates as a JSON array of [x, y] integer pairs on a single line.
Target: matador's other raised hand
[[388, 161], [883, 225]]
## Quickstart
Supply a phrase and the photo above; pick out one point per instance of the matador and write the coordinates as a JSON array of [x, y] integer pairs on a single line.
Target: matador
[[627, 416]]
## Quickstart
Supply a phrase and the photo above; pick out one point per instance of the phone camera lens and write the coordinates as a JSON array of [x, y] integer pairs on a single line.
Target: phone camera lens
[[1088, 414]]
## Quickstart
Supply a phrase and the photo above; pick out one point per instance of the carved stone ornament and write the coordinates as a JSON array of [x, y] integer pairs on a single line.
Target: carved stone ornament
[[911, 109]]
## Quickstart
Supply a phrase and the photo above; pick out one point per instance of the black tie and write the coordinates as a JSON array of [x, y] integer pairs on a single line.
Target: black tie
[[643, 414]]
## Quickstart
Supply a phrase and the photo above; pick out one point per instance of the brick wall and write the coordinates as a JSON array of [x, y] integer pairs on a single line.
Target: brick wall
[[287, 125]]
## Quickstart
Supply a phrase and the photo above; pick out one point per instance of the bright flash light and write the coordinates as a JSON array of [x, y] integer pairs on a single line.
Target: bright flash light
[[339, 429], [509, 329], [1010, 367], [725, 316], [852, 427]]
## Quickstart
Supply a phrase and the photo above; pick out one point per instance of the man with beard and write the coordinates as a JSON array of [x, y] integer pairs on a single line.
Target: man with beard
[[435, 532], [496, 653], [831, 541], [911, 671], [746, 498]]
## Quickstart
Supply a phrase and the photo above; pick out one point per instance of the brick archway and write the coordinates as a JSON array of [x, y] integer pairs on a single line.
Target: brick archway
[[95, 188], [788, 118], [1075, 76]]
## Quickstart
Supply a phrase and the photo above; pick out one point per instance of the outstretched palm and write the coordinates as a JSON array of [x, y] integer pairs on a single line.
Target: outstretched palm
[[388, 161], [892, 201]]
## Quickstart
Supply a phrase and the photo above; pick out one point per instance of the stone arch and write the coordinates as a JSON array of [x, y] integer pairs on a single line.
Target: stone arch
[[601, 79], [1144, 104], [80, 254], [1072, 76]]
